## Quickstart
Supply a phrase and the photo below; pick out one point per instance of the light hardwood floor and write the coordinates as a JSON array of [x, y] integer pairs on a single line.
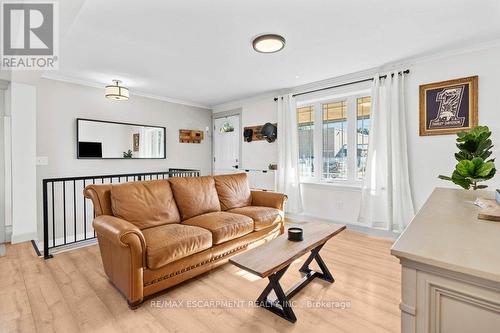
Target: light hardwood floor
[[70, 293]]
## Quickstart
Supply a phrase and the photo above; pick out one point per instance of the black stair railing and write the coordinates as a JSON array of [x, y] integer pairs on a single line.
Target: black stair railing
[[67, 215]]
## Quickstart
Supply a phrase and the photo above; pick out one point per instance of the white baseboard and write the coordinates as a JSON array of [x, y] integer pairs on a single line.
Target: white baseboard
[[63, 248], [68, 247], [8, 233], [14, 239], [351, 226]]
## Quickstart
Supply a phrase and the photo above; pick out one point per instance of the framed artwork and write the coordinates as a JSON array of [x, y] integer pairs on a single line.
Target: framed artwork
[[136, 142], [448, 107], [190, 136]]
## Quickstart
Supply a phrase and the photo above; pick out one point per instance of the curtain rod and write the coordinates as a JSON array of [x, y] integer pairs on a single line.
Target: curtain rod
[[406, 71]]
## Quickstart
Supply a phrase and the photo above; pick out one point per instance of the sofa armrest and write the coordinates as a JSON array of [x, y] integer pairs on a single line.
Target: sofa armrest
[[100, 194], [120, 232], [123, 253], [269, 199]]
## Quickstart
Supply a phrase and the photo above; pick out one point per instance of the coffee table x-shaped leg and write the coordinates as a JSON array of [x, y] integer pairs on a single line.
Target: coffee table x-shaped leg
[[282, 305]]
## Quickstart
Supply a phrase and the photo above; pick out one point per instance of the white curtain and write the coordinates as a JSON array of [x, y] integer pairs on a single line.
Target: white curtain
[[288, 153], [150, 142], [386, 196]]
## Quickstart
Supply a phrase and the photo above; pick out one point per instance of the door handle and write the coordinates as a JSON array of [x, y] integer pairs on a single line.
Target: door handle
[[236, 166]]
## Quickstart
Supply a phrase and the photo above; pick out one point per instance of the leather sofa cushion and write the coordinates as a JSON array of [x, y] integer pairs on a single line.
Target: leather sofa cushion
[[144, 204], [170, 242], [233, 190], [223, 226], [195, 195], [263, 217]]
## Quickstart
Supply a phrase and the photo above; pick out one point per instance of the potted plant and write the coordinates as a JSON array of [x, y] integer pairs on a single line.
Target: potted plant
[[127, 154], [473, 165]]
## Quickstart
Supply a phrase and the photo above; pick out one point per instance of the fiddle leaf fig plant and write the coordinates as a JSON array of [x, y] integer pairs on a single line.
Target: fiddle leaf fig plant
[[473, 164]]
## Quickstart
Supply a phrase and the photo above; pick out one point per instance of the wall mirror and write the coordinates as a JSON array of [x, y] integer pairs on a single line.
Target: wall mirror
[[98, 139]]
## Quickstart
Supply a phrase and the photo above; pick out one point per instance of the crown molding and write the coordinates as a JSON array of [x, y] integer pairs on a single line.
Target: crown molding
[[335, 80], [236, 103], [393, 65], [55, 77], [436, 55], [405, 63], [296, 89], [400, 64], [170, 100]]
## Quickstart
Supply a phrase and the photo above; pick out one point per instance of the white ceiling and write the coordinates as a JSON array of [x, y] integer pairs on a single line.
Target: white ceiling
[[200, 51]]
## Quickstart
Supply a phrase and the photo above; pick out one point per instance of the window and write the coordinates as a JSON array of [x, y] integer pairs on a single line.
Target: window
[[340, 144], [335, 140], [227, 127], [305, 120], [363, 107]]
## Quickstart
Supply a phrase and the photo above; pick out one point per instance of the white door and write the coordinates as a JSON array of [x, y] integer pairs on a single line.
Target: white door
[[227, 136]]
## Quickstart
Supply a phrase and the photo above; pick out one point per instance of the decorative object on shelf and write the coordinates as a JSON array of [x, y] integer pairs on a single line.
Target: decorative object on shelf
[[295, 234], [490, 210], [116, 91], [448, 107], [268, 43], [273, 166], [248, 134], [473, 164], [479, 202], [497, 196], [190, 136], [227, 127], [268, 132], [127, 154], [136, 137]]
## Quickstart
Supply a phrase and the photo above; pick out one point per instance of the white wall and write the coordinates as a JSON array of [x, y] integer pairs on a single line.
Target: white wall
[[60, 103], [256, 154], [7, 162], [4, 219], [433, 155], [23, 138], [428, 156]]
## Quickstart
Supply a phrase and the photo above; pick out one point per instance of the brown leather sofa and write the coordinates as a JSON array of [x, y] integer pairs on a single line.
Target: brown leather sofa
[[155, 234]]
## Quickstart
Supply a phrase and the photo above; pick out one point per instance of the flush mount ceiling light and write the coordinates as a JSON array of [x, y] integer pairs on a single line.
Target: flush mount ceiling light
[[269, 43], [116, 91]]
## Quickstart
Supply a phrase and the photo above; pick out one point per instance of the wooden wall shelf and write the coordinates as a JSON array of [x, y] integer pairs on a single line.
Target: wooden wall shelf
[[190, 136], [257, 136]]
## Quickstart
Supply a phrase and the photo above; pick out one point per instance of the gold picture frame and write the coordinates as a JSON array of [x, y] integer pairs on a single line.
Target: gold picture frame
[[448, 107]]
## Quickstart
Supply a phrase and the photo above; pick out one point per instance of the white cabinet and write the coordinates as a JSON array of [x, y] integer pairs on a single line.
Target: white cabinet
[[434, 300], [450, 278]]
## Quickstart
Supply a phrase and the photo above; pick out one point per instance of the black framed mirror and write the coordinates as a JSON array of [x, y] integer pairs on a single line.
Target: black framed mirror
[[101, 139]]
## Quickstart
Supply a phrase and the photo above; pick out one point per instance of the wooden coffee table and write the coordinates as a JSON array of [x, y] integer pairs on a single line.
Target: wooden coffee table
[[272, 259]]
